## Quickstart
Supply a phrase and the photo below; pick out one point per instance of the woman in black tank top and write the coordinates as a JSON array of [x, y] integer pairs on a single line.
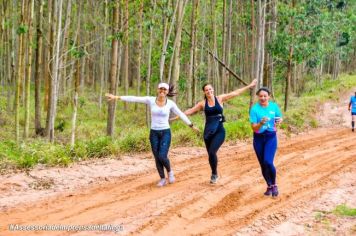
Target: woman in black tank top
[[214, 132]]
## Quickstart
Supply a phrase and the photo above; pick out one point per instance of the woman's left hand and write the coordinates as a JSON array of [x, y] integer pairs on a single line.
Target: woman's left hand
[[110, 97], [278, 120], [253, 83], [196, 130]]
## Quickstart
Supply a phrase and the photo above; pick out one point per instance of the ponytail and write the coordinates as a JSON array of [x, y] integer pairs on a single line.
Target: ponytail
[[171, 92]]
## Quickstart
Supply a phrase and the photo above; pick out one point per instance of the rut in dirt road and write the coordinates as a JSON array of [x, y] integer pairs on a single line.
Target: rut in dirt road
[[305, 164]]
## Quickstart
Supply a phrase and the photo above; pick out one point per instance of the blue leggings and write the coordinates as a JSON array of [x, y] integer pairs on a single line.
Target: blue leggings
[[212, 145], [265, 146]]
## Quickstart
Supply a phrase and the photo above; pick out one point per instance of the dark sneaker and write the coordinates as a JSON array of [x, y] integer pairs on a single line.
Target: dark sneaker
[[268, 191], [353, 130], [214, 179], [274, 191]]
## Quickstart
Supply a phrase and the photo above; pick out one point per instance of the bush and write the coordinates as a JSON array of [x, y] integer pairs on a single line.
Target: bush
[[98, 147], [238, 130], [135, 141]]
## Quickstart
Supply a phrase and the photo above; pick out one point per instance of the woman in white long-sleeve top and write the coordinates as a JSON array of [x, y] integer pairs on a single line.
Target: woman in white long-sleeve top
[[160, 133]]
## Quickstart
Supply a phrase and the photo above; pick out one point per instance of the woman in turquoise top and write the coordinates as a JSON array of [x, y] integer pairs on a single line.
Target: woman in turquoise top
[[352, 108], [264, 116]]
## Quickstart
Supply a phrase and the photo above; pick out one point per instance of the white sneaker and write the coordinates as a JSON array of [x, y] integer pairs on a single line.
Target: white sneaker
[[171, 178], [162, 182]]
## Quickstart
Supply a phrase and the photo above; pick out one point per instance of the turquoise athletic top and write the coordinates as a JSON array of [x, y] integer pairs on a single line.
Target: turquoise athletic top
[[353, 103], [271, 111]]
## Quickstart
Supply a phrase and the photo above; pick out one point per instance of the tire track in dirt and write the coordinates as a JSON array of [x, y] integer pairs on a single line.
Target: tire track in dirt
[[193, 206]]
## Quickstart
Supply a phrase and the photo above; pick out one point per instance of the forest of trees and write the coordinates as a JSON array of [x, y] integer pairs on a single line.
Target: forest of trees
[[60, 48]]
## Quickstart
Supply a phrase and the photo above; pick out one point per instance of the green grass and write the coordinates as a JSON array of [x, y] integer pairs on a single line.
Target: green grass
[[343, 210], [131, 132]]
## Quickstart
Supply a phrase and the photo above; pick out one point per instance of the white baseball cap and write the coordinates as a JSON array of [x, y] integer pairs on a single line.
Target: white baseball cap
[[163, 85]]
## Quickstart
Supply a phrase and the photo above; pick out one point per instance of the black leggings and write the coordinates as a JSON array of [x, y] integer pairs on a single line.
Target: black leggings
[[160, 142], [212, 145]]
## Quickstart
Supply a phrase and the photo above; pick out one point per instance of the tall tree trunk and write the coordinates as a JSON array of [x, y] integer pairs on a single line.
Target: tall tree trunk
[[102, 56], [9, 47], [113, 70], [12, 80], [253, 40], [3, 43], [125, 73], [260, 46], [215, 71], [28, 69], [55, 70], [204, 62], [149, 66], [119, 74], [223, 53], [20, 73], [289, 63], [166, 38], [273, 33], [139, 50], [38, 69], [49, 59], [247, 46], [253, 50], [63, 48], [76, 80], [190, 79], [228, 46], [177, 43]]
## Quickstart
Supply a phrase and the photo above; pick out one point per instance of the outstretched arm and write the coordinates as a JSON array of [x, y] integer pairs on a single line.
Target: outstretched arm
[[198, 107], [183, 116], [112, 97], [237, 92]]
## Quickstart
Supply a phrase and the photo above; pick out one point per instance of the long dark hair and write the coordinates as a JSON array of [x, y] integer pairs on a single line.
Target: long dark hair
[[171, 92]]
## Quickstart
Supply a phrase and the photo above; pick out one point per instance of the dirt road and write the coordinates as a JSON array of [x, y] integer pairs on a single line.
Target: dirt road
[[308, 165]]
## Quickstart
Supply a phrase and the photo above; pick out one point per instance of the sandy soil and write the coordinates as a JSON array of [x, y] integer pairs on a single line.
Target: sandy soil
[[316, 172]]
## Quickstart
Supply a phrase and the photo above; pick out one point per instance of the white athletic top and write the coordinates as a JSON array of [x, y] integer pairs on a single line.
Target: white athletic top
[[159, 115]]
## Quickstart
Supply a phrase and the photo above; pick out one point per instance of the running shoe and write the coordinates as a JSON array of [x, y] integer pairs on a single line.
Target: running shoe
[[171, 178], [162, 182], [214, 179], [353, 130], [268, 191], [274, 191]]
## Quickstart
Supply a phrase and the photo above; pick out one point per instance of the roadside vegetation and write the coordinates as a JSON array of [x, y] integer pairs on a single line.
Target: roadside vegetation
[[131, 134]]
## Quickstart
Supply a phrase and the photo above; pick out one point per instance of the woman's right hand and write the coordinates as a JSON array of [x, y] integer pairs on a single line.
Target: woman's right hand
[[264, 120], [111, 97]]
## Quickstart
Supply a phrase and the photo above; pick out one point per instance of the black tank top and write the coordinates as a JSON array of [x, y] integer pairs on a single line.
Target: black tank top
[[213, 111]]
